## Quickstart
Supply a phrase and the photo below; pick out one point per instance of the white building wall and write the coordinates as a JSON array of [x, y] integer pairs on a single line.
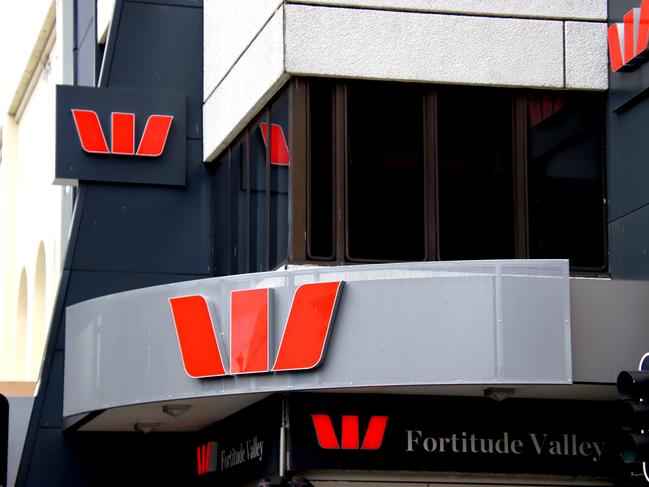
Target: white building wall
[[552, 44], [34, 213]]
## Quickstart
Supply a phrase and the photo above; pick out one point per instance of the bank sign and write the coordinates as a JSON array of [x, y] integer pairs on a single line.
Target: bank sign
[[243, 446], [451, 435], [302, 346], [120, 135], [628, 41]]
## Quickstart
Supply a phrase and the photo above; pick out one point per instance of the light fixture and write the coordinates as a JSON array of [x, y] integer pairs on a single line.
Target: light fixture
[[175, 410], [145, 427], [499, 393]]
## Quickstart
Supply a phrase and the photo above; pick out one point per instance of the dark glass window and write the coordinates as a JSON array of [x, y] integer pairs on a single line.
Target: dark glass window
[[385, 172], [258, 196], [401, 171], [320, 171], [251, 195], [278, 172], [476, 191], [565, 178], [381, 171]]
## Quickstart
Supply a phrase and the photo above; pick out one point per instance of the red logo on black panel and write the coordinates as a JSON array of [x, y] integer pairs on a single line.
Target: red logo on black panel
[[350, 437], [122, 142], [206, 456], [628, 41]]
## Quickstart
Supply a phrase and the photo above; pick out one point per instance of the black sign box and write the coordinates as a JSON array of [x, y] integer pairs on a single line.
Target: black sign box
[[75, 164], [451, 435], [242, 447]]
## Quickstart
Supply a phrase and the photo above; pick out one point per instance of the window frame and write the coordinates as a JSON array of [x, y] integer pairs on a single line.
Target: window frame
[[300, 198]]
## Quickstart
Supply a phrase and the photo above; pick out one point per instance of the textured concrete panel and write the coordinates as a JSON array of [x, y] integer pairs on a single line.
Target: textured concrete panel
[[230, 26], [407, 324], [586, 56], [549, 9], [370, 44], [253, 80]]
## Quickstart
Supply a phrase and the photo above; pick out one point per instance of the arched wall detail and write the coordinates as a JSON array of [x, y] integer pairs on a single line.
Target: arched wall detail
[[21, 332], [37, 325]]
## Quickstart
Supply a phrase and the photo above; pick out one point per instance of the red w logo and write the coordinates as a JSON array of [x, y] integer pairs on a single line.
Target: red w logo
[[278, 146], [628, 41], [327, 439], [93, 140], [206, 458], [303, 343]]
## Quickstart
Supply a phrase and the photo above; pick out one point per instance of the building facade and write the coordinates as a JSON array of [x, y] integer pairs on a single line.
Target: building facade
[[355, 242]]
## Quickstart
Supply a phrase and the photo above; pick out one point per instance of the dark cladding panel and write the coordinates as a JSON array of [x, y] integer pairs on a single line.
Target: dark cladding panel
[[4, 433], [148, 228], [53, 405], [630, 245], [628, 159], [75, 163], [628, 162], [58, 464], [147, 39]]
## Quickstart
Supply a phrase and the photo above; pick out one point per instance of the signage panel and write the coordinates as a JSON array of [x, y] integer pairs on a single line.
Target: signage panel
[[120, 135], [403, 324], [242, 447], [451, 435]]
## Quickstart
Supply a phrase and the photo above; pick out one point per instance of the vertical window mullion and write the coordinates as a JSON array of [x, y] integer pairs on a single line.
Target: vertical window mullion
[[430, 173], [520, 176], [246, 178], [298, 129], [230, 229], [267, 178], [340, 170]]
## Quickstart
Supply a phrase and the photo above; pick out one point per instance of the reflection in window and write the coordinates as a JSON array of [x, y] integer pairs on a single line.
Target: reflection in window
[[251, 196], [565, 178]]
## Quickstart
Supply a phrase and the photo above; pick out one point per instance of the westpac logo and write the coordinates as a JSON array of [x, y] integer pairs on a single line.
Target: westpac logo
[[93, 141], [279, 154], [350, 437], [303, 343], [206, 457], [627, 41]]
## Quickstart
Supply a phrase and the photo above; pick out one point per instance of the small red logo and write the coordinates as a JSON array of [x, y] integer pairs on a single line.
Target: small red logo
[[628, 41], [206, 456], [302, 347], [278, 146], [93, 140], [327, 439]]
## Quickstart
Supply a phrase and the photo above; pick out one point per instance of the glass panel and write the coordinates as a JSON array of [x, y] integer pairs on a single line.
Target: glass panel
[[385, 173], [279, 172], [320, 171], [258, 201], [222, 238], [238, 213], [476, 195], [565, 171]]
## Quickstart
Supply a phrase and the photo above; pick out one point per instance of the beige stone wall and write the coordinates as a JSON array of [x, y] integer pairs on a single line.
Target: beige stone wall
[[34, 214]]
